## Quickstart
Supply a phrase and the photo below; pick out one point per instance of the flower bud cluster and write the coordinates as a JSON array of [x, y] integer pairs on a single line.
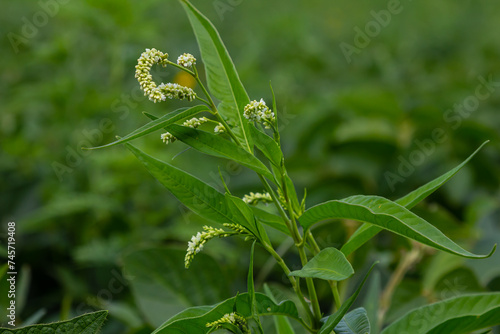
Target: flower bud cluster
[[259, 112], [198, 241], [186, 60], [194, 122], [231, 318], [236, 227], [219, 128], [169, 90], [254, 198]]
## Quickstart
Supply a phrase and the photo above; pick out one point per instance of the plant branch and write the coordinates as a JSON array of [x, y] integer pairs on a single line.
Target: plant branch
[[408, 260]]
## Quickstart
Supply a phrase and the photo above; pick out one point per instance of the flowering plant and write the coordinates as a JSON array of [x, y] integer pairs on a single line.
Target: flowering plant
[[239, 127]]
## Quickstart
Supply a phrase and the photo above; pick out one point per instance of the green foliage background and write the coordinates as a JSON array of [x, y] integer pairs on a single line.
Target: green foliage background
[[344, 127]]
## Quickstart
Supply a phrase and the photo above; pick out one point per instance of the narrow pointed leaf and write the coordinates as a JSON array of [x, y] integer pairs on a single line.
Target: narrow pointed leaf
[[354, 322], [282, 323], [371, 302], [416, 196], [270, 219], [243, 214], [335, 318], [250, 285], [267, 146], [363, 234], [328, 264], [386, 214], [217, 146], [157, 124], [463, 314], [89, 323], [222, 77], [366, 231], [198, 196]]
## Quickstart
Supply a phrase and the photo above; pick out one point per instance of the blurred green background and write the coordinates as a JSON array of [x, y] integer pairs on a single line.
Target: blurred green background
[[96, 231]]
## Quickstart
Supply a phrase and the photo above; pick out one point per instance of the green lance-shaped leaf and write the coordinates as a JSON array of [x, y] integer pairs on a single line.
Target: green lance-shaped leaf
[[328, 264], [251, 291], [367, 231], [194, 320], [157, 124], [89, 323], [386, 214], [212, 144], [243, 214], [354, 322], [267, 146], [333, 320], [463, 314], [198, 196], [270, 219], [222, 78]]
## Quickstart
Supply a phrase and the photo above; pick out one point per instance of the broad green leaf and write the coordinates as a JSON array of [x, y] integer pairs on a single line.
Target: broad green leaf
[[267, 146], [89, 323], [162, 287], [217, 146], [333, 320], [156, 124], [192, 192], [463, 314], [282, 323], [222, 77], [328, 264], [386, 214], [366, 231], [354, 322], [194, 321]]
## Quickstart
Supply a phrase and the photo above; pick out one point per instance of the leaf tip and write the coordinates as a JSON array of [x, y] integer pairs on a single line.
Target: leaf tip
[[491, 252]]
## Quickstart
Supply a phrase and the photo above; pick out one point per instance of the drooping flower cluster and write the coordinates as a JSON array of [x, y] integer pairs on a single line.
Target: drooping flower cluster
[[186, 60], [219, 128], [259, 112], [231, 318], [163, 91], [198, 241], [254, 198], [143, 72], [194, 122]]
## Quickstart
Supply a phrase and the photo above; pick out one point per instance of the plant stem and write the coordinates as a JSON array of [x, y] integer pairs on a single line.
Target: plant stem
[[293, 281], [333, 284], [407, 261]]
